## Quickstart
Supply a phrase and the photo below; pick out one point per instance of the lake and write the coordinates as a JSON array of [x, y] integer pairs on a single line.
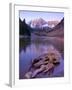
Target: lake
[[32, 47]]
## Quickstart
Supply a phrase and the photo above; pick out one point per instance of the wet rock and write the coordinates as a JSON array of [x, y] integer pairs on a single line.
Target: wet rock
[[44, 63]]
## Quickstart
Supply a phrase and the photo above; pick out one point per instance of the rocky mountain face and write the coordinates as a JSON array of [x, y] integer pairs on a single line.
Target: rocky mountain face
[[40, 23], [58, 30], [37, 23], [60, 25], [52, 23]]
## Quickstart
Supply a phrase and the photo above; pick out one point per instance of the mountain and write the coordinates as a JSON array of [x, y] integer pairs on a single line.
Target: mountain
[[52, 23], [58, 30], [24, 29], [37, 23]]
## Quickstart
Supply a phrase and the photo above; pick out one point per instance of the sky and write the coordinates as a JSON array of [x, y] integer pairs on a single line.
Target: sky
[[47, 16]]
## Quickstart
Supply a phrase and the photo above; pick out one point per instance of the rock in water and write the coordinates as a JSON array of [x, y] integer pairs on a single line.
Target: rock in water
[[44, 63]]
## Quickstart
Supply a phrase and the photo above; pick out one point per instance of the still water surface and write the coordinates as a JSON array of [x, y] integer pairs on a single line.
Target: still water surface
[[31, 48]]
